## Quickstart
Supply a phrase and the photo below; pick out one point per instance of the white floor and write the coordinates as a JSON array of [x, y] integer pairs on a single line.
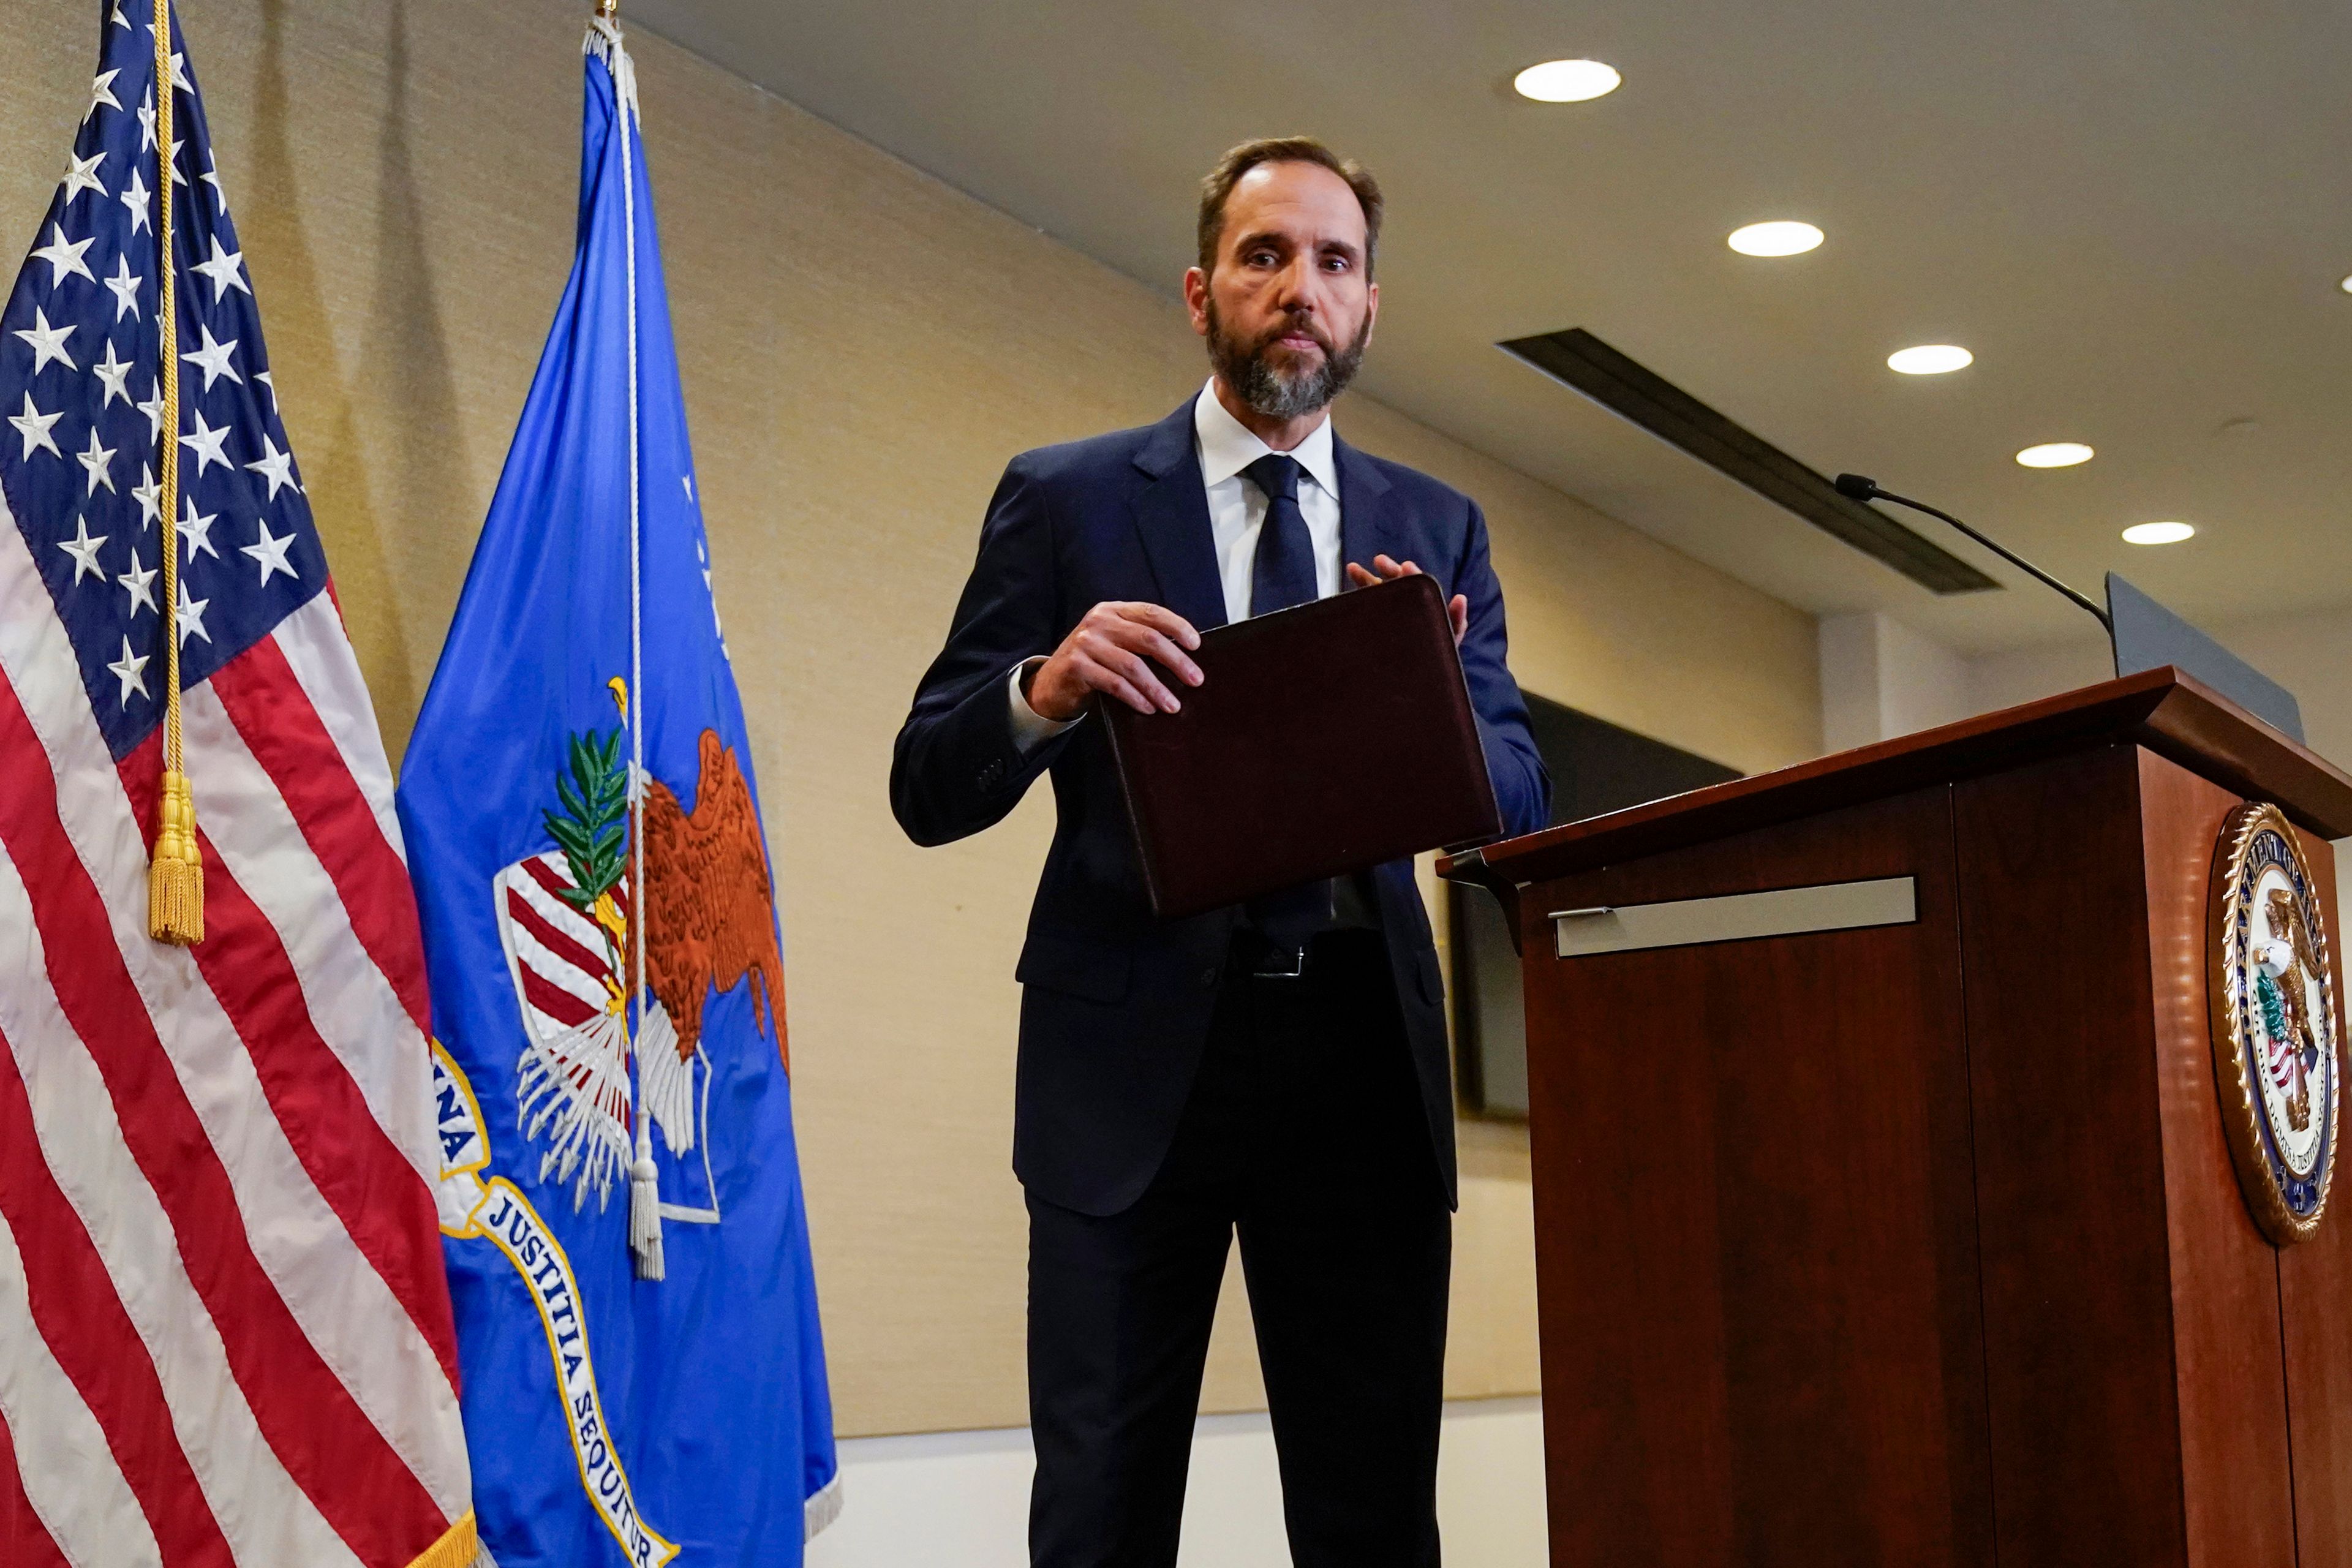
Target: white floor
[[961, 1500]]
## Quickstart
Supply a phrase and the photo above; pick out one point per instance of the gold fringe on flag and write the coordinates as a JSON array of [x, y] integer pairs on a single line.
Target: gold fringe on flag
[[460, 1547], [175, 881]]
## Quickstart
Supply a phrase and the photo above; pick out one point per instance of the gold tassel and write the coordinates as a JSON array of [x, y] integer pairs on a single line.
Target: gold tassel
[[175, 881]]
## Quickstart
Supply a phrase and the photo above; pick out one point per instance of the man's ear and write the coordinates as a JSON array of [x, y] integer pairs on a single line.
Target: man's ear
[[1196, 300], [1371, 311]]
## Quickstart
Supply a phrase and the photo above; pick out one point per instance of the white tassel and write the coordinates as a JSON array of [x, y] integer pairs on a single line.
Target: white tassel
[[644, 1216], [645, 1177]]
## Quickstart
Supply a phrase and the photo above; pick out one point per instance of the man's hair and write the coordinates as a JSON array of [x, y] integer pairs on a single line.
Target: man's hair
[[1219, 186]]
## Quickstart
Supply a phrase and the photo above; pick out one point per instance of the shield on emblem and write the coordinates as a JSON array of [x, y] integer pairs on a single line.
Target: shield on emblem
[[574, 1075], [572, 1079]]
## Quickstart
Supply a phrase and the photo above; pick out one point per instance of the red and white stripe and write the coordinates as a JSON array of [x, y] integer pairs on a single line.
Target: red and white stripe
[[224, 1335], [562, 965]]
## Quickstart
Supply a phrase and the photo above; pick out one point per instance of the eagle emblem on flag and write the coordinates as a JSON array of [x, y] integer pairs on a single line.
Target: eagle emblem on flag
[[567, 921]]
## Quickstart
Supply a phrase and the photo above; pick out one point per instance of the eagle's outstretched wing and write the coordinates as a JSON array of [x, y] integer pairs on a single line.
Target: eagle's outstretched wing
[[710, 913]]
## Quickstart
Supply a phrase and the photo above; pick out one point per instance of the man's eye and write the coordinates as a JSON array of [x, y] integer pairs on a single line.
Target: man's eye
[[1335, 264], [1261, 259]]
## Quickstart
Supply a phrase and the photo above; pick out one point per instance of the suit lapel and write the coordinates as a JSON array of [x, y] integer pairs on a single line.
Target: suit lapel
[[1171, 514], [1369, 524]]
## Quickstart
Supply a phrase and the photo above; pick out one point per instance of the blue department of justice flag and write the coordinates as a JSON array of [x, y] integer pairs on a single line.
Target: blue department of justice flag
[[644, 1378]]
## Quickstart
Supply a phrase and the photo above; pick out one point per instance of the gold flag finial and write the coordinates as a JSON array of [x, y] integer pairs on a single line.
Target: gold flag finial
[[175, 877]]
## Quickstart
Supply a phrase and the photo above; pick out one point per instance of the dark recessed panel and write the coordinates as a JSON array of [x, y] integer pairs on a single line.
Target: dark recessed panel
[[1633, 391]]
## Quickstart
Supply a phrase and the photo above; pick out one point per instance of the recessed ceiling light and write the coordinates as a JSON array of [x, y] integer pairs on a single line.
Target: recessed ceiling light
[[2157, 533], [2055, 455], [1782, 237], [1567, 81], [1930, 359], [2346, 285]]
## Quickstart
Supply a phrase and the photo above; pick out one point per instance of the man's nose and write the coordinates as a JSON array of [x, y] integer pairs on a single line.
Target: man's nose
[[1295, 288]]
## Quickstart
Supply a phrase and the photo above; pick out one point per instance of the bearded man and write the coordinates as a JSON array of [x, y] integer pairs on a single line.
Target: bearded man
[[1277, 1071]]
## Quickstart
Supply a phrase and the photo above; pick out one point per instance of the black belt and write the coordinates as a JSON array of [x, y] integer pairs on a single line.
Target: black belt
[[1259, 958]]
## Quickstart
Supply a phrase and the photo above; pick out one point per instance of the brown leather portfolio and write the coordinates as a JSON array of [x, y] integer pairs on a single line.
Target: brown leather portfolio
[[1323, 739]]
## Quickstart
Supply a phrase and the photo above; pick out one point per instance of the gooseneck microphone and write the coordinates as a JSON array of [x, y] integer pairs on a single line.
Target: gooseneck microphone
[[1862, 487]]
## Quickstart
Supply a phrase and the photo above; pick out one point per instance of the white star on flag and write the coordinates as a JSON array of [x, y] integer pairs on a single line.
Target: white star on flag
[[64, 256], [82, 174], [269, 552], [222, 269], [153, 408], [718, 628], [262, 376], [196, 533], [49, 342], [206, 443], [126, 669], [179, 68], [84, 550], [33, 426], [102, 90], [190, 612], [135, 197], [147, 122], [98, 462], [213, 360], [114, 374], [125, 288], [274, 466], [137, 583], [149, 494]]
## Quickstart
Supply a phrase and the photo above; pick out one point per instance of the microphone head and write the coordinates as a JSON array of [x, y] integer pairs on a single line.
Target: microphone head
[[1859, 486]]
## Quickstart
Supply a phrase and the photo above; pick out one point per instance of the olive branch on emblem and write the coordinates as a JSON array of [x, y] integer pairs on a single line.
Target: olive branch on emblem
[[593, 832]]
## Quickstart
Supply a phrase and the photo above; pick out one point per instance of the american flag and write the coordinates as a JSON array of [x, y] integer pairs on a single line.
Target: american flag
[[224, 1332]]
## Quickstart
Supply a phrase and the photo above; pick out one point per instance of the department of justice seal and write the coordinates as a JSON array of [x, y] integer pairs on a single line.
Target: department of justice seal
[[2273, 1007]]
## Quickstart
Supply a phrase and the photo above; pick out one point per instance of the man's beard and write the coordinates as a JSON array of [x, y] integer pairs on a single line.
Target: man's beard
[[1249, 368]]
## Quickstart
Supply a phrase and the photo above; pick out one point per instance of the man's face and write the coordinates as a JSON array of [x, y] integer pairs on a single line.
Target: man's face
[[1288, 307]]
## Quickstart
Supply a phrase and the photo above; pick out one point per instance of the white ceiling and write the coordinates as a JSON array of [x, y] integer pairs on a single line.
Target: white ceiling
[[2135, 212]]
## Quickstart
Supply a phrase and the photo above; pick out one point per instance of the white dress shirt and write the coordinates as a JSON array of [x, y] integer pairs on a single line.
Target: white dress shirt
[[1226, 447], [1237, 507]]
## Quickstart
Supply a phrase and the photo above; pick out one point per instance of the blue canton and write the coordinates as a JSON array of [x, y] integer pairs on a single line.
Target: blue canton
[[83, 402]]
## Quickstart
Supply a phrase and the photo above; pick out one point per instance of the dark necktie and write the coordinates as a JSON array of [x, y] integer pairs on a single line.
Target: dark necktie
[[1284, 572], [1282, 576]]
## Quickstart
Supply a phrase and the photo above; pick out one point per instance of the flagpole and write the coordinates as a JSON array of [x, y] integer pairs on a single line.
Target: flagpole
[[645, 1177], [175, 879]]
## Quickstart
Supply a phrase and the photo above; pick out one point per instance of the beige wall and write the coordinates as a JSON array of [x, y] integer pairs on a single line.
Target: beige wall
[[863, 348]]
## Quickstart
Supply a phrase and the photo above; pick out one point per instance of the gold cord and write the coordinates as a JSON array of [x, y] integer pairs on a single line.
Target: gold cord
[[176, 880]]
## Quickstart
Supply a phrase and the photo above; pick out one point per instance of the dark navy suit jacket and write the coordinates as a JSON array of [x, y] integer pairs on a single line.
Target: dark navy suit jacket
[[1115, 1005]]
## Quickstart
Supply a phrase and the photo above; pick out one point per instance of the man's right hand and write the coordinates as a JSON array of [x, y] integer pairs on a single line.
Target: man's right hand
[[1112, 650]]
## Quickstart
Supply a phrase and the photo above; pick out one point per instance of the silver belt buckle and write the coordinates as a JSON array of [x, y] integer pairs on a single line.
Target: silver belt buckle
[[1296, 958]]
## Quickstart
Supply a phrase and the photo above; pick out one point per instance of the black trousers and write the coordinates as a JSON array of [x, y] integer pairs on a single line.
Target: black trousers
[[1305, 1135]]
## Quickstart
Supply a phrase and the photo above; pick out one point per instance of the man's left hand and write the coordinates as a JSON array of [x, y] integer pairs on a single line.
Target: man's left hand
[[1457, 609]]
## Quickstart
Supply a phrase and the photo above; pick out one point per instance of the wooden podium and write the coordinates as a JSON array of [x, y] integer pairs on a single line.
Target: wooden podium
[[1889, 1219]]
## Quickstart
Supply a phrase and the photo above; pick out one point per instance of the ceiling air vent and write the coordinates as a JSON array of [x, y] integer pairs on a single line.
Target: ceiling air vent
[[1620, 385]]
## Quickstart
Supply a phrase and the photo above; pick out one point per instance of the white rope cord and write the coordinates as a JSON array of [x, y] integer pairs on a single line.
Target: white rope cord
[[645, 1178]]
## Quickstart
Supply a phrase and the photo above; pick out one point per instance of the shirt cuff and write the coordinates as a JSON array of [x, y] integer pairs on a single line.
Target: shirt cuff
[[1032, 729]]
